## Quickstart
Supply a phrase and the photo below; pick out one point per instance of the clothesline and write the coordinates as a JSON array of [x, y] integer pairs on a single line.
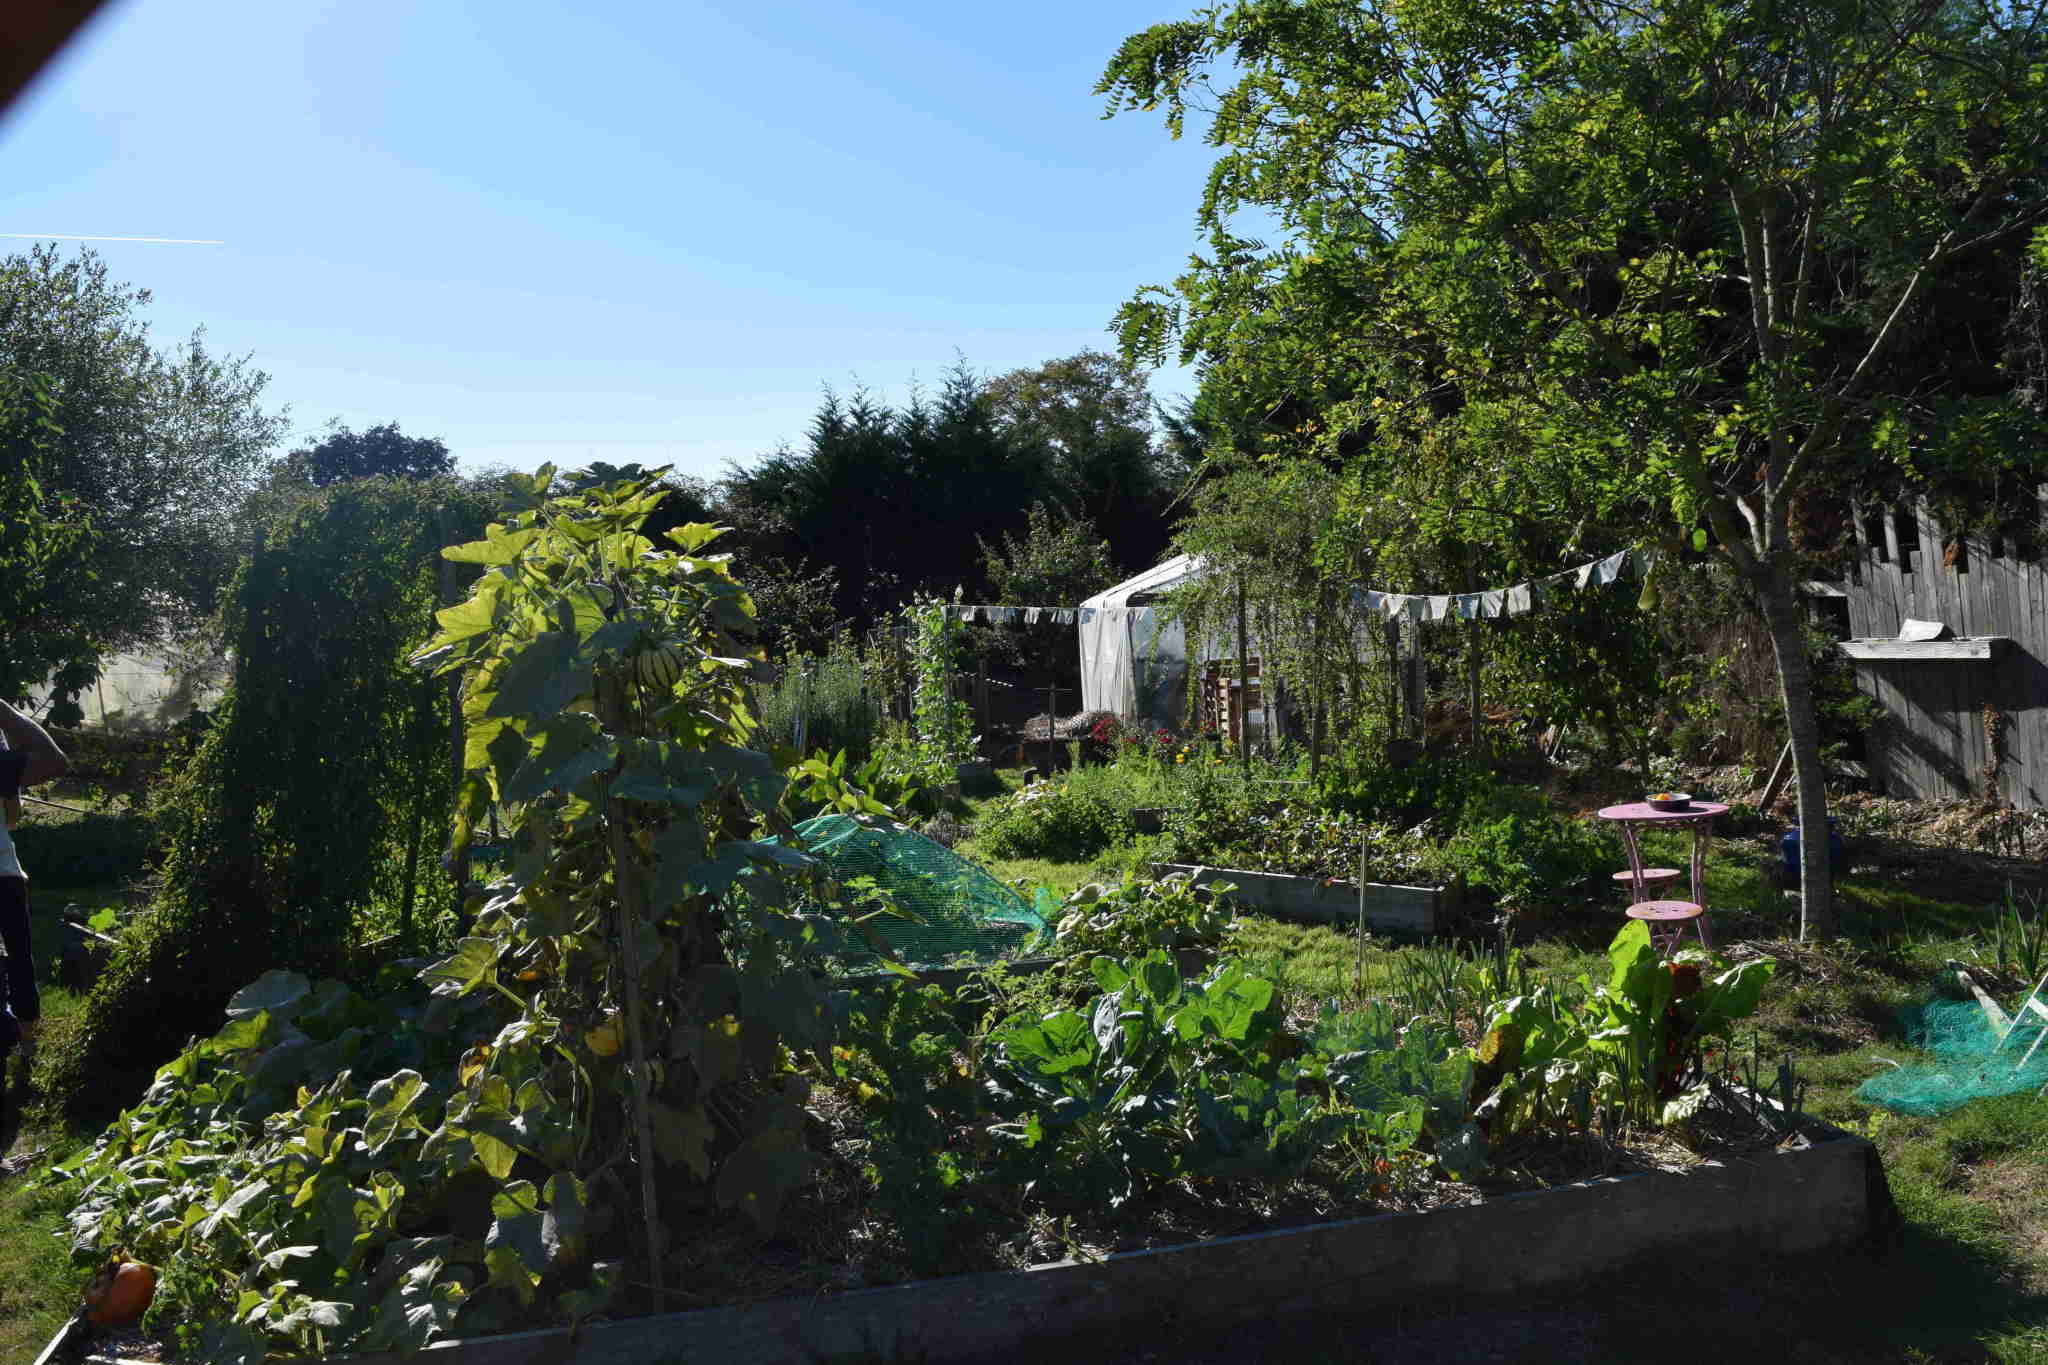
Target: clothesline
[[1516, 600]]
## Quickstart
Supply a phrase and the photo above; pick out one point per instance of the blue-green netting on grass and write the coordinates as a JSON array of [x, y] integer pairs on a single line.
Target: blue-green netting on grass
[[964, 911], [1966, 1063]]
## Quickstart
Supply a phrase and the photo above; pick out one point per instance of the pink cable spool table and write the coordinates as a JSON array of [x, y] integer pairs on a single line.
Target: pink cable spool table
[[1699, 815]]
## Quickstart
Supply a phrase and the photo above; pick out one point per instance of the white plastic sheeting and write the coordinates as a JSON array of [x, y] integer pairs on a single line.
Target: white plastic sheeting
[[145, 692], [1133, 662]]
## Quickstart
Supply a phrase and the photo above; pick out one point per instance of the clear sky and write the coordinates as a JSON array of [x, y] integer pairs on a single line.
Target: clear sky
[[608, 230]]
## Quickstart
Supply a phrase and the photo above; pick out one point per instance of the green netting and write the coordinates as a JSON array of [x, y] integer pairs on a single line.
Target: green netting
[[1967, 1063], [965, 912]]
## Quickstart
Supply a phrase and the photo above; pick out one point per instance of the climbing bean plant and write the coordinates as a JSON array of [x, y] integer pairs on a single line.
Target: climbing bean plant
[[294, 833], [945, 727]]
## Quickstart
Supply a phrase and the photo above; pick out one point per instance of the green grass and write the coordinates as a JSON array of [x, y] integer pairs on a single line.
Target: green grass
[[38, 1287], [86, 860]]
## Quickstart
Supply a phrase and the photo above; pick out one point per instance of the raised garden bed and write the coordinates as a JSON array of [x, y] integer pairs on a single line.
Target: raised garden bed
[[1388, 906], [1823, 1190]]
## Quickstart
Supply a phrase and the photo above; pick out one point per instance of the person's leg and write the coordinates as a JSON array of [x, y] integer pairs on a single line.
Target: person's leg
[[20, 996]]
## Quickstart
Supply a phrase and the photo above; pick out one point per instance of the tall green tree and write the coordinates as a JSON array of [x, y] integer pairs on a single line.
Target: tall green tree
[[45, 541], [1092, 414], [889, 501], [346, 454], [158, 447], [1057, 561], [1691, 269]]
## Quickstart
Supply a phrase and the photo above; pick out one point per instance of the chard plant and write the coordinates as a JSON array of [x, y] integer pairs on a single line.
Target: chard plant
[[1627, 1052]]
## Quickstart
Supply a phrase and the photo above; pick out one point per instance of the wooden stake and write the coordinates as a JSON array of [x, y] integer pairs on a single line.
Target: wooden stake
[[1472, 639], [456, 735], [1358, 973], [1781, 771], [1244, 686]]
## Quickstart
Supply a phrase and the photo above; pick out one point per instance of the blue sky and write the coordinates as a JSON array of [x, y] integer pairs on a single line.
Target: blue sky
[[563, 232]]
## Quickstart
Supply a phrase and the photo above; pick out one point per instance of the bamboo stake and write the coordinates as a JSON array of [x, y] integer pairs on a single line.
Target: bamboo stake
[[456, 744], [1779, 773], [632, 913]]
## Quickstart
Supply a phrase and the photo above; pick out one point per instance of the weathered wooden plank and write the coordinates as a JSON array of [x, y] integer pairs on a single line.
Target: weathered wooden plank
[[1892, 601], [1978, 649], [1859, 605], [2026, 689], [1974, 580], [1935, 584], [1966, 699], [2031, 639]]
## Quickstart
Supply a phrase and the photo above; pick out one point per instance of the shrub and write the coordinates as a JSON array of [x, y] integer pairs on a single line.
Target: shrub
[[1526, 853], [1436, 790], [1132, 917], [1295, 836], [90, 851], [1063, 820], [316, 793]]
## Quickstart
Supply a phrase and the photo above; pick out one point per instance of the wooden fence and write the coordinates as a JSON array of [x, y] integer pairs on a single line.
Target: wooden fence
[[1962, 719]]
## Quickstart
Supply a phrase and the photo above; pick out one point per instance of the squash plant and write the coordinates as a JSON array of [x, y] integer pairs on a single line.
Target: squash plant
[[602, 1059], [1161, 1079]]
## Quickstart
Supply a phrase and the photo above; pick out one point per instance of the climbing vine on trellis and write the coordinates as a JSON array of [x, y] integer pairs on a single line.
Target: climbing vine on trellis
[[292, 830]]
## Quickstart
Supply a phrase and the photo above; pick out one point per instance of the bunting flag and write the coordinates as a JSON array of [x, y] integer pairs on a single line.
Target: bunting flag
[[1031, 616], [1493, 603]]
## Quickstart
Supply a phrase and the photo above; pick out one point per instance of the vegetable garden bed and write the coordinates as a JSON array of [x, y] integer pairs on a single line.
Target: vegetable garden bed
[[1823, 1189], [1388, 906]]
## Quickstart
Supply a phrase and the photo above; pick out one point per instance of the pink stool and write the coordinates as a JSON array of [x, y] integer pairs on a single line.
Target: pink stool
[[1667, 921], [1655, 879]]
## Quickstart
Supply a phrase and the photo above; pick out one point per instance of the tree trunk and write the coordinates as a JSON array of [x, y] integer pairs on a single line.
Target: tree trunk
[[1795, 678]]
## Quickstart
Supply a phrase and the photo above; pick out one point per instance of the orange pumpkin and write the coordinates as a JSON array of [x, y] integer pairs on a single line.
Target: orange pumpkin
[[124, 1297]]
